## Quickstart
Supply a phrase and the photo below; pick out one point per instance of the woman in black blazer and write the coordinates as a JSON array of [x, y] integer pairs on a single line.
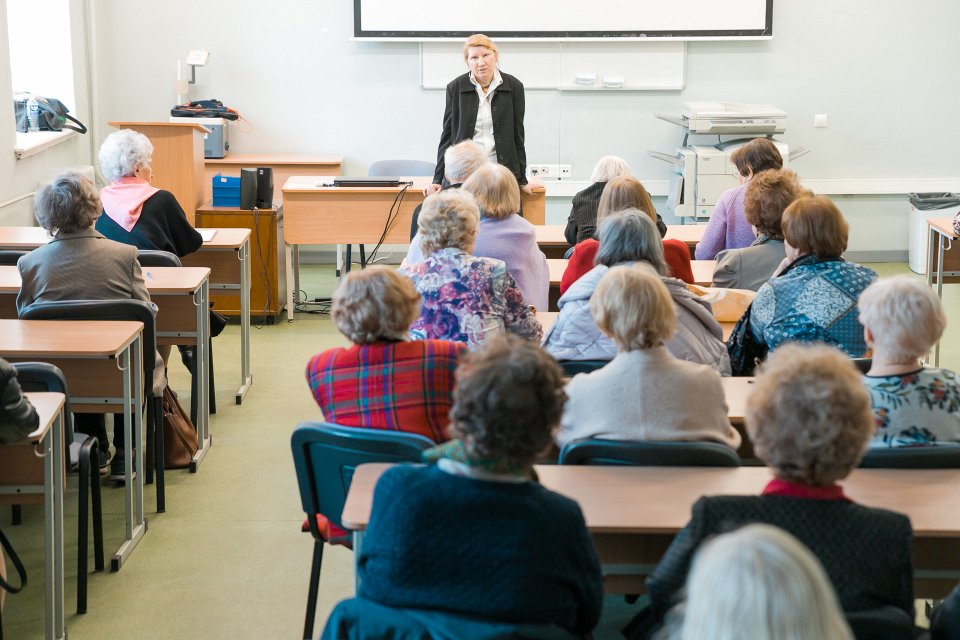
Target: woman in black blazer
[[495, 122]]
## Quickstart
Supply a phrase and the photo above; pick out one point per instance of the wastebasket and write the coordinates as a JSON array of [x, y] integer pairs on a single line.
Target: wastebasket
[[922, 207]]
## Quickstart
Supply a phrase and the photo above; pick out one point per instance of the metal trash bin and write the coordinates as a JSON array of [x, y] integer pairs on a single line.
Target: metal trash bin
[[922, 207]]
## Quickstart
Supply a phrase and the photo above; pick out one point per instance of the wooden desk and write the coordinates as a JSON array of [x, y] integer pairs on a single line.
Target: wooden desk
[[552, 242], [181, 295], [634, 512], [284, 166], [20, 471], [548, 318], [228, 257], [944, 262], [357, 215], [101, 360]]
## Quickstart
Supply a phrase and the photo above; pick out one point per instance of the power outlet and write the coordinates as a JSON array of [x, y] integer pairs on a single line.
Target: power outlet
[[548, 171], [566, 171]]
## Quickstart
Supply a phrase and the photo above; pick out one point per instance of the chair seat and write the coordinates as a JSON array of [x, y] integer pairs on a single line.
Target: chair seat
[[332, 534]]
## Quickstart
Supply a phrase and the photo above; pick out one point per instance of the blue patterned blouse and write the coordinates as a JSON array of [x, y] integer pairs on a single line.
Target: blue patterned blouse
[[813, 301], [915, 409]]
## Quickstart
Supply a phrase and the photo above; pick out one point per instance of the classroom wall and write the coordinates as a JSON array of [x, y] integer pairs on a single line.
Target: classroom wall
[[292, 71]]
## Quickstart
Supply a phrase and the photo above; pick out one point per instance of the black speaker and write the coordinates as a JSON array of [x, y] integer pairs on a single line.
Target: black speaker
[[248, 188], [264, 188]]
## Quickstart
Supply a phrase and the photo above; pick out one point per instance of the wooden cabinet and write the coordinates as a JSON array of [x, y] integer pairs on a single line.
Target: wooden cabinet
[[267, 271]]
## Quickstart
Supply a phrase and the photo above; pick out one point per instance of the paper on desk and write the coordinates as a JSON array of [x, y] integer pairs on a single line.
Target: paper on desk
[[207, 234]]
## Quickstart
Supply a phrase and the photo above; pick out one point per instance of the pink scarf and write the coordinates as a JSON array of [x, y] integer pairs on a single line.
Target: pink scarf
[[123, 200]]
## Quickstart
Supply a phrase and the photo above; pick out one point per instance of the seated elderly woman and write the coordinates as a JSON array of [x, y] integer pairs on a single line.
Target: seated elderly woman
[[757, 582], [913, 405], [459, 162], [627, 237], [507, 403], [768, 195], [813, 297], [503, 234], [620, 194], [644, 393], [582, 222], [465, 298], [383, 381], [809, 420], [138, 213], [18, 418], [80, 264]]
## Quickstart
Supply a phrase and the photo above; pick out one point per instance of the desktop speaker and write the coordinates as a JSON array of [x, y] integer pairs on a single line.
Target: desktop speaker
[[248, 188], [264, 188]]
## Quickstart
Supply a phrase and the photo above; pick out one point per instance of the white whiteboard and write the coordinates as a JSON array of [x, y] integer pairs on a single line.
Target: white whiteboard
[[563, 19], [641, 66]]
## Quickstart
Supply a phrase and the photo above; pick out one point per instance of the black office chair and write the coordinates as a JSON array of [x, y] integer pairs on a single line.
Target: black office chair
[[945, 456], [42, 376], [573, 367], [9, 257], [325, 457], [885, 623], [863, 364], [156, 258], [594, 451], [140, 311]]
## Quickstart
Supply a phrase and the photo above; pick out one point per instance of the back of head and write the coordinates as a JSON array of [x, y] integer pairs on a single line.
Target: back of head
[[760, 154], [768, 196], [904, 317], [608, 168], [122, 151], [461, 160], [625, 192], [375, 304], [759, 583], [809, 415], [448, 219], [629, 236], [67, 204], [814, 225], [495, 189], [508, 400], [632, 306]]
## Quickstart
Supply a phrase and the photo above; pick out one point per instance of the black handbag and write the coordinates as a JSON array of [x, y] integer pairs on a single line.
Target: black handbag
[[744, 349], [21, 571], [53, 115]]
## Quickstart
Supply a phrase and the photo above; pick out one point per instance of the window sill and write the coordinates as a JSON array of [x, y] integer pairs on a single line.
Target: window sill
[[29, 144]]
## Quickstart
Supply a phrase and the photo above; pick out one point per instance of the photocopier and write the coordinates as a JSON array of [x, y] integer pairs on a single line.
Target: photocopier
[[702, 172]]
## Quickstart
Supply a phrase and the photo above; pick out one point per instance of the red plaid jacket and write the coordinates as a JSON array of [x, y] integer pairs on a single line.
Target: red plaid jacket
[[400, 386]]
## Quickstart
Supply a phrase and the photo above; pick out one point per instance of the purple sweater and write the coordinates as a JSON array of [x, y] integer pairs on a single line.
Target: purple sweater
[[728, 227], [513, 240]]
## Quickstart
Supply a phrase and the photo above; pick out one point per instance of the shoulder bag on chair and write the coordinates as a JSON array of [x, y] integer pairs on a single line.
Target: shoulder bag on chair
[[4, 585], [53, 115], [179, 434]]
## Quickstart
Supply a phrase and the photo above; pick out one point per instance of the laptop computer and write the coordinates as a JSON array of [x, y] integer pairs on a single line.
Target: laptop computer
[[368, 181]]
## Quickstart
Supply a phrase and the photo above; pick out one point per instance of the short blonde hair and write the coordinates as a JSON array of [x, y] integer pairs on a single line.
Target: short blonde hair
[[904, 316], [632, 306], [625, 192], [480, 40], [375, 304], [448, 219], [758, 582], [814, 225], [496, 190], [67, 204], [768, 195], [462, 159], [608, 168], [809, 415]]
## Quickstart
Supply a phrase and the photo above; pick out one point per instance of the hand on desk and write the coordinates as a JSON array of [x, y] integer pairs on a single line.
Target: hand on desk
[[431, 188], [529, 188]]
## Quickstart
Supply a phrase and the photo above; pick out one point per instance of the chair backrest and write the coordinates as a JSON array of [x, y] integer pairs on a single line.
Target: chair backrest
[[9, 257], [863, 364], [573, 367], [43, 376], [594, 451], [885, 623], [138, 310], [156, 258], [401, 168], [945, 456], [326, 455]]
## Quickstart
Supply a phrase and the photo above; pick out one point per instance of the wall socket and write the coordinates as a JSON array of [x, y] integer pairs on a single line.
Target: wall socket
[[555, 171]]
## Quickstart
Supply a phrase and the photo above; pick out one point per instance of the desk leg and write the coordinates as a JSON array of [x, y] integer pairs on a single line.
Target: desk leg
[[246, 379], [357, 545], [936, 352], [202, 368], [53, 531], [136, 525], [290, 284]]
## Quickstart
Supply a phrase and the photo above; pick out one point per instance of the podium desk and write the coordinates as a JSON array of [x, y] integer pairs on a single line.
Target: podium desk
[[22, 473], [101, 360], [317, 214], [553, 243], [943, 262], [635, 512]]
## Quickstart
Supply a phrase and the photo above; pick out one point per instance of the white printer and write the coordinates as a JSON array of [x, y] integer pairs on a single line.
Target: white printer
[[702, 172]]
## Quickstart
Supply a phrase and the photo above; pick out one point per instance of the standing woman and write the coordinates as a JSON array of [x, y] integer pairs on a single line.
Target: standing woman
[[486, 106]]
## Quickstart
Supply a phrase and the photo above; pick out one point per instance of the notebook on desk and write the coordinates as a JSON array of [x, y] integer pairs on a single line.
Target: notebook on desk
[[207, 234]]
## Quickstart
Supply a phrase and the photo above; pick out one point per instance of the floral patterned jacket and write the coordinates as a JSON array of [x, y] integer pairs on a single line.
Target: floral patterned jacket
[[915, 409], [466, 299]]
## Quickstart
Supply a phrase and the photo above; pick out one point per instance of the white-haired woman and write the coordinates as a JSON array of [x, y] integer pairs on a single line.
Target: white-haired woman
[[459, 162], [757, 583], [136, 212], [582, 223], [912, 405]]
